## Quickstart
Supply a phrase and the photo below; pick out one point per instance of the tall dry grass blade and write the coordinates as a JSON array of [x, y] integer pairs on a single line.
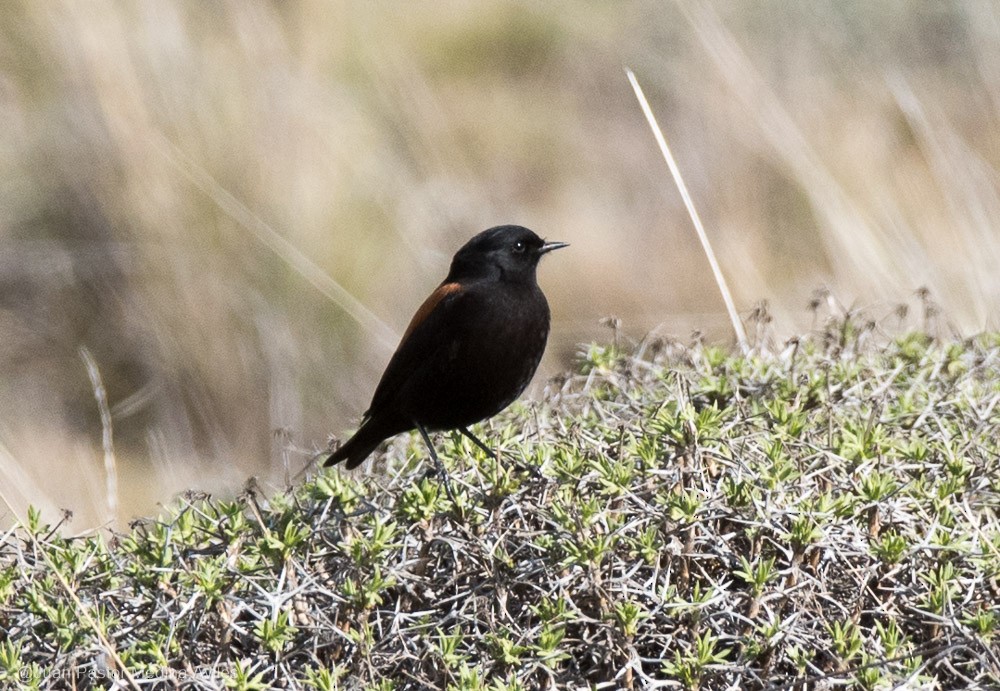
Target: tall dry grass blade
[[107, 436], [720, 280], [970, 186], [274, 241], [867, 258]]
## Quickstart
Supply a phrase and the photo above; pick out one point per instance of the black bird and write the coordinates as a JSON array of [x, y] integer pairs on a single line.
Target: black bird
[[470, 349]]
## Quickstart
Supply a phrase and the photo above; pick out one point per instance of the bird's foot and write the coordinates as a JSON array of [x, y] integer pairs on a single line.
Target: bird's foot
[[439, 472]]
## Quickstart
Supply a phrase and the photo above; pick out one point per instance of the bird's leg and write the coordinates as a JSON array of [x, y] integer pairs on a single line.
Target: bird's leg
[[527, 468], [438, 465], [475, 440]]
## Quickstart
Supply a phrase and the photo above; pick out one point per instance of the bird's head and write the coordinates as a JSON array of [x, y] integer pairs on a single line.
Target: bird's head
[[509, 253]]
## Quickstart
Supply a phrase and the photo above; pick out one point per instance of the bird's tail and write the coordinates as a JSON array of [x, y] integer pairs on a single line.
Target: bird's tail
[[359, 447]]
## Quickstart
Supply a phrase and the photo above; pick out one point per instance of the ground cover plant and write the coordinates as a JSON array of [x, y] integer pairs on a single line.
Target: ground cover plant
[[825, 513]]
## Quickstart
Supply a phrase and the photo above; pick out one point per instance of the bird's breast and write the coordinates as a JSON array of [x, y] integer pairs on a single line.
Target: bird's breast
[[512, 331], [482, 359]]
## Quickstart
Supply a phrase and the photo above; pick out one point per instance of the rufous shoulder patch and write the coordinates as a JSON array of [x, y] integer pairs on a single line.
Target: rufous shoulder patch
[[442, 291]]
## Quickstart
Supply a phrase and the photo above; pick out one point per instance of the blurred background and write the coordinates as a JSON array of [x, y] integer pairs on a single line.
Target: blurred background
[[226, 212]]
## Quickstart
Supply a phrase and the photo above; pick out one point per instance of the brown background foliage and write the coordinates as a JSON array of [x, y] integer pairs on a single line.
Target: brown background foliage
[[187, 187]]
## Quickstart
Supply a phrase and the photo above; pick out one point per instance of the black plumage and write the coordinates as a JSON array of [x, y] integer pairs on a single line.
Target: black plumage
[[470, 349]]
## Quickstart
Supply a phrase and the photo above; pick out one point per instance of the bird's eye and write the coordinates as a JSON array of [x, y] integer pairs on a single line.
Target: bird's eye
[[519, 246]]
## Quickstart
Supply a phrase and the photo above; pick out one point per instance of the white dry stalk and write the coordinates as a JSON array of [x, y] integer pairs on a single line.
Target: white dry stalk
[[720, 280], [107, 436]]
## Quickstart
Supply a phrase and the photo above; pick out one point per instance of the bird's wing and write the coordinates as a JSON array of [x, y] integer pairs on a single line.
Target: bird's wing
[[432, 301], [429, 329]]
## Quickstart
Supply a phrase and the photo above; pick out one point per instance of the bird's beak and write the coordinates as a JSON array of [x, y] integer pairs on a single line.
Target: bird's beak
[[549, 246]]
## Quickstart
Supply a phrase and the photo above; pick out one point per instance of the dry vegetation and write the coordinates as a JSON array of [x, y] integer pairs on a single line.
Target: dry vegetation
[[232, 206], [825, 515]]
